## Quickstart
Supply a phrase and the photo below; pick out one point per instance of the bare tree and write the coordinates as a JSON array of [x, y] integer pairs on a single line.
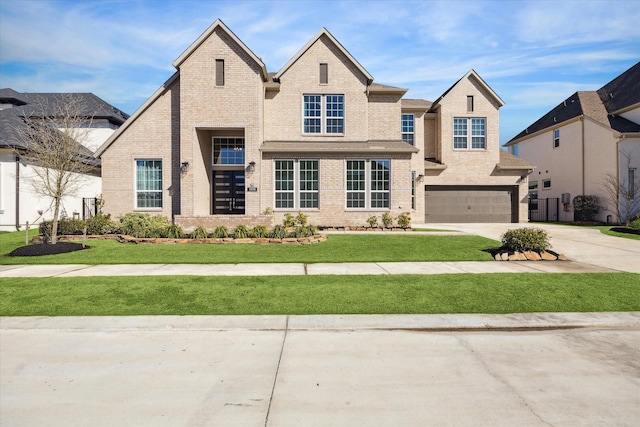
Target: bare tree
[[622, 192], [52, 134]]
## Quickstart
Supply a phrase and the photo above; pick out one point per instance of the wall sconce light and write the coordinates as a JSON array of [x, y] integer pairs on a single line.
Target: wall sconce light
[[184, 167], [420, 178], [252, 167]]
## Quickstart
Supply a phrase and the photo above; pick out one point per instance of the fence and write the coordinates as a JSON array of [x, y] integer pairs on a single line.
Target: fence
[[544, 210], [89, 207]]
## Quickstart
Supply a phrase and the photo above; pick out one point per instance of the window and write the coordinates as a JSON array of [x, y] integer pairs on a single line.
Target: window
[[469, 103], [533, 195], [219, 72], [632, 184], [407, 128], [323, 114], [461, 133], [148, 184], [305, 187], [376, 189], [556, 138], [546, 184], [228, 151], [324, 73]]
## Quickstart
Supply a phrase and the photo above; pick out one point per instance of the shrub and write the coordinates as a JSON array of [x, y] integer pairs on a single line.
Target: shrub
[[199, 233], [635, 223], [404, 220], [66, 226], [526, 239], [241, 232], [144, 225], [585, 207], [175, 232], [387, 220], [102, 224], [305, 231], [289, 220], [278, 232], [373, 221], [302, 218], [221, 232], [259, 231]]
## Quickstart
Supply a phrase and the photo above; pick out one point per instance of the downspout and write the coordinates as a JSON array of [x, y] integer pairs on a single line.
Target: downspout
[[583, 156], [17, 192], [618, 142]]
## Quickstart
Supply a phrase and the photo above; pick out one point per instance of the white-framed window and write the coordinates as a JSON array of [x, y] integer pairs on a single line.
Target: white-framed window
[[368, 184], [148, 184], [463, 139], [556, 138], [407, 128], [296, 184], [323, 114], [546, 184]]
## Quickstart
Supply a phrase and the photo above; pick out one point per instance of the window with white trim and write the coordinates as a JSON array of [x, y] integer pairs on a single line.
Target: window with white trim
[[556, 138], [546, 184], [148, 184], [296, 193], [323, 114], [407, 128], [368, 184], [462, 140]]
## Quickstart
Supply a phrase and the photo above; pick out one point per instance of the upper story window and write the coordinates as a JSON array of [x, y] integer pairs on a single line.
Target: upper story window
[[228, 151], [556, 138], [546, 184], [463, 139], [148, 184], [323, 114], [407, 128], [219, 72]]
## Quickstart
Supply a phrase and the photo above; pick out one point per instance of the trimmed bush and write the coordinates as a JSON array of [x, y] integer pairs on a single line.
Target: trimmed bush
[[221, 232], [302, 218], [526, 239], [101, 225], [404, 220], [289, 220], [241, 232], [635, 223], [387, 220], [372, 221], [305, 231], [585, 207], [144, 225], [175, 232], [199, 233], [259, 231]]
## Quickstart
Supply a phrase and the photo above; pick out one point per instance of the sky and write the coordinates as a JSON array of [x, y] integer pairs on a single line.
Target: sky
[[533, 54]]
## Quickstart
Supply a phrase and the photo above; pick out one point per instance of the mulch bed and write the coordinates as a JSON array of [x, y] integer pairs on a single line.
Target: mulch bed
[[47, 249], [627, 230]]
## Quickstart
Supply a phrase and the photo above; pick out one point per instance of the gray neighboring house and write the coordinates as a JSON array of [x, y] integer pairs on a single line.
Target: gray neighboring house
[[18, 202]]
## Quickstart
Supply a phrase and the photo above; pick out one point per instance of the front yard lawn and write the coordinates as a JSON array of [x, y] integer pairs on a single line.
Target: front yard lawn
[[404, 294], [338, 248]]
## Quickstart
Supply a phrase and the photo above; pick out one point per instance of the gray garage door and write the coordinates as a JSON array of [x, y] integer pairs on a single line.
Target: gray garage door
[[470, 204]]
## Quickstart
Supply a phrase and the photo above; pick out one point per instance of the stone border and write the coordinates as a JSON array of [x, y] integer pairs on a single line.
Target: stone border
[[316, 238], [529, 256]]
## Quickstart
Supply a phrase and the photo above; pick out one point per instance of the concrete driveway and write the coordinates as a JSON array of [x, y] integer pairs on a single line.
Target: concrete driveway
[[320, 371], [580, 244]]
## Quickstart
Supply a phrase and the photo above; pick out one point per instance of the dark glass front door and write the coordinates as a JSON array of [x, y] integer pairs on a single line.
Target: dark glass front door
[[228, 192]]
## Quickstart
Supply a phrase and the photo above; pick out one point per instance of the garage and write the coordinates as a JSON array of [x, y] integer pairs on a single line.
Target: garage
[[445, 203]]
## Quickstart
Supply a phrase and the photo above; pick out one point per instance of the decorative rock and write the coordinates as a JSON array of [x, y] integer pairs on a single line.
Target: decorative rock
[[498, 257], [504, 256], [247, 240], [532, 256], [563, 257], [548, 256], [517, 256]]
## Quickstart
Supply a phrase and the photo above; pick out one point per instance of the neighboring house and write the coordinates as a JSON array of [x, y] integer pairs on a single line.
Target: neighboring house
[[575, 146], [19, 204], [225, 142]]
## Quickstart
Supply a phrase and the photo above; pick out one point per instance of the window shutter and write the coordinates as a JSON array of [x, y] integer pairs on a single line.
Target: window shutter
[[219, 72], [324, 74]]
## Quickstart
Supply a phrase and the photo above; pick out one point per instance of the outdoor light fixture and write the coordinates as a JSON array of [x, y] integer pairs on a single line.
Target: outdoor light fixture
[[252, 167], [420, 178], [184, 167]]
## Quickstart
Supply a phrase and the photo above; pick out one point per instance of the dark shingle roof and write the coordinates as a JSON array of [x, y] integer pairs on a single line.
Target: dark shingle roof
[[601, 105]]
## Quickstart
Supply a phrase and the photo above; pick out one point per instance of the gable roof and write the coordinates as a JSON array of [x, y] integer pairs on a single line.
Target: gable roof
[[326, 33], [207, 33], [470, 74], [601, 106]]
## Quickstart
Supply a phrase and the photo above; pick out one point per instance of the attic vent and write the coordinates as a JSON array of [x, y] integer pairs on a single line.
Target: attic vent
[[324, 73], [554, 120], [611, 95]]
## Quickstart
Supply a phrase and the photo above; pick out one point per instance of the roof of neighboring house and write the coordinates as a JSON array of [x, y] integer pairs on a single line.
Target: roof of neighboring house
[[416, 104], [601, 106], [324, 32], [27, 104], [470, 74], [369, 147], [510, 162]]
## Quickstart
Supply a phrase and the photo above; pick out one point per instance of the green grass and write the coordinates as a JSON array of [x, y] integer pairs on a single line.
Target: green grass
[[604, 229], [408, 294], [337, 248]]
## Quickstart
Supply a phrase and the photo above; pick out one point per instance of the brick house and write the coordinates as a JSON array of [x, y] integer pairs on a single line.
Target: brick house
[[225, 142]]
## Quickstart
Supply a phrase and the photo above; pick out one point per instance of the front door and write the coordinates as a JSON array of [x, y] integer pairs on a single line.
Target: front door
[[228, 192]]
